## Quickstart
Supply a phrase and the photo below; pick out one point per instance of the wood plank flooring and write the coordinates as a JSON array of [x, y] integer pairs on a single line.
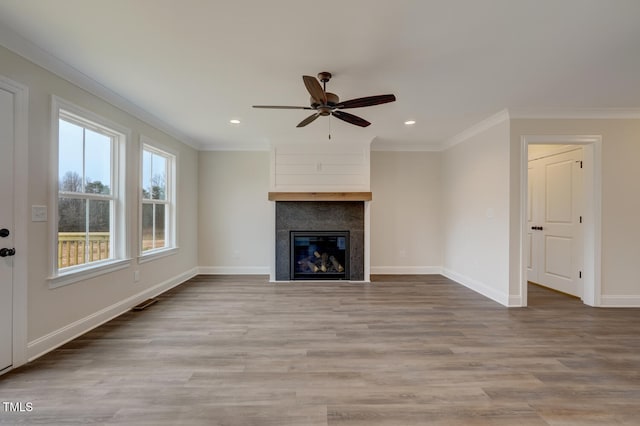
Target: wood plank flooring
[[408, 350]]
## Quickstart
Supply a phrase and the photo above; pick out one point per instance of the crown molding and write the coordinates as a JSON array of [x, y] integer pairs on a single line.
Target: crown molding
[[405, 146], [233, 146], [477, 128], [574, 113], [30, 51], [542, 113]]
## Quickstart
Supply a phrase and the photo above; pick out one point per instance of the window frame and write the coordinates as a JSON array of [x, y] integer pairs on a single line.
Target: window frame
[[170, 202], [119, 244]]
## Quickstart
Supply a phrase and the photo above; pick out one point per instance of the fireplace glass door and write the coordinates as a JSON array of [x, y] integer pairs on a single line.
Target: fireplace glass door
[[319, 255]]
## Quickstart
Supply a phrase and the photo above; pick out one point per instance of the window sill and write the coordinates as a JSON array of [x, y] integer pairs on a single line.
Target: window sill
[[71, 277], [157, 254]]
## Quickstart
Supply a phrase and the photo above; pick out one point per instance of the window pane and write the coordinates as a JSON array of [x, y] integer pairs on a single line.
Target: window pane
[[159, 177], [146, 175], [72, 215], [147, 227], [71, 232], [70, 157], [97, 163], [99, 230], [156, 192], [159, 221]]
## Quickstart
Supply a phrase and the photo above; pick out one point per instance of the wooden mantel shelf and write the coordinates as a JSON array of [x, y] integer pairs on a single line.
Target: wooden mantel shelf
[[320, 196]]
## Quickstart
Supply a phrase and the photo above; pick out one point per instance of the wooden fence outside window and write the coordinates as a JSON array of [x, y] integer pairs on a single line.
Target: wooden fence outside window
[[74, 248]]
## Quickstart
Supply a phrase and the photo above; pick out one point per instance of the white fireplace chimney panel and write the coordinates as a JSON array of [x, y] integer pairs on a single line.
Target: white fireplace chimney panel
[[320, 167]]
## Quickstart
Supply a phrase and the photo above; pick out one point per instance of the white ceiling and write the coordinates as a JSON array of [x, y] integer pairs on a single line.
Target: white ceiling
[[196, 64]]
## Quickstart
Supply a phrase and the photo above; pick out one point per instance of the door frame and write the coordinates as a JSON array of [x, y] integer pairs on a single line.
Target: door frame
[[592, 232], [20, 217]]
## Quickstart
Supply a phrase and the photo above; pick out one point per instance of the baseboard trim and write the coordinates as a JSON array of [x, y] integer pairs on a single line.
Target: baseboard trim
[[478, 287], [38, 347], [265, 270], [234, 270], [623, 301], [406, 270]]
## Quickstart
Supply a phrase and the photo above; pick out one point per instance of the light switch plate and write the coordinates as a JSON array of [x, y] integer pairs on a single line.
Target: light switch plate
[[38, 213]]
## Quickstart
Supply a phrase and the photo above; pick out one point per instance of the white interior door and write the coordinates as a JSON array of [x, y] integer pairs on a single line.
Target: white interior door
[[6, 227], [555, 234]]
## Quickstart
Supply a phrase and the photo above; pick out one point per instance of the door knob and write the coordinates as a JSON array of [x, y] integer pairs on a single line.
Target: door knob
[[4, 252], [4, 232]]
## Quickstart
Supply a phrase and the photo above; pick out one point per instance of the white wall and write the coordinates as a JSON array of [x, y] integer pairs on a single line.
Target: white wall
[[56, 315], [620, 200], [236, 220], [405, 213], [475, 211]]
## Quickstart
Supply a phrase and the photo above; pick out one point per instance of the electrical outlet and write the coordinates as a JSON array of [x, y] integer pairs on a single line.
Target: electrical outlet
[[136, 276]]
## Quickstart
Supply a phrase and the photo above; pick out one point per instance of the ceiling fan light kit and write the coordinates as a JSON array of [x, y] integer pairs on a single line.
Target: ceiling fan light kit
[[326, 103]]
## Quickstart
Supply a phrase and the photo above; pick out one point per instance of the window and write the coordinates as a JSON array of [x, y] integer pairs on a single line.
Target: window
[[158, 199], [89, 231]]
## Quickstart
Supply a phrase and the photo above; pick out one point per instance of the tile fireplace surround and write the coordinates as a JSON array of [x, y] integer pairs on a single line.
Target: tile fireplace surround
[[320, 216]]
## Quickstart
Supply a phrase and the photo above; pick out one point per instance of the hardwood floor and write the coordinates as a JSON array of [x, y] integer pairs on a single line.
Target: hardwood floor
[[409, 350]]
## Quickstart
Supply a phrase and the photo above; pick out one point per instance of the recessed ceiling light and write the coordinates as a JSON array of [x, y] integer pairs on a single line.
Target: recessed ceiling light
[[410, 122], [234, 121]]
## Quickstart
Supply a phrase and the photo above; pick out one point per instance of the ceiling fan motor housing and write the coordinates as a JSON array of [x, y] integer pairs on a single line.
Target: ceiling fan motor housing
[[332, 101]]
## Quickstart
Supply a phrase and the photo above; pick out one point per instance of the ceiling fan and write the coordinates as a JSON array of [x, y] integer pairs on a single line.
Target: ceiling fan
[[327, 103]]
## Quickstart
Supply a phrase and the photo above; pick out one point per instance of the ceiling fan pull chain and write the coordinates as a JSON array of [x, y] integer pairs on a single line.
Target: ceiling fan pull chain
[[329, 127]]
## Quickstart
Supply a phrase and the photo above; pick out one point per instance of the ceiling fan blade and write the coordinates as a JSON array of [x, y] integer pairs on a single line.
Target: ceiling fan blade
[[366, 101], [280, 107], [350, 118], [314, 89], [308, 120]]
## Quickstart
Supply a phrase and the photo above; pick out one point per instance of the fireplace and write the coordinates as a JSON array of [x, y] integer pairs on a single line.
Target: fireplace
[[319, 255], [332, 227]]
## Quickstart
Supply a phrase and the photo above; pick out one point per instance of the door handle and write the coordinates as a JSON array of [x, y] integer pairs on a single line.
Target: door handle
[[4, 232], [4, 252], [537, 228]]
